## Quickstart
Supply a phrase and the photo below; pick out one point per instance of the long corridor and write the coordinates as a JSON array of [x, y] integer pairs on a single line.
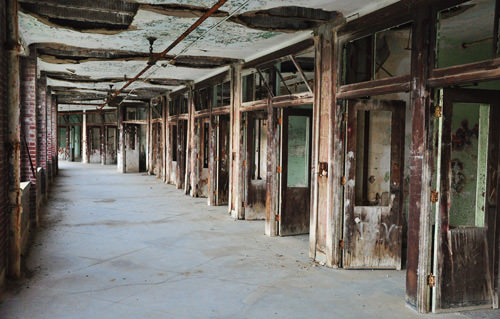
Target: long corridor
[[128, 246]]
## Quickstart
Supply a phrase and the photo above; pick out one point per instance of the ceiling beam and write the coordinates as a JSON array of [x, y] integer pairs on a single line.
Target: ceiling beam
[[64, 54], [70, 77]]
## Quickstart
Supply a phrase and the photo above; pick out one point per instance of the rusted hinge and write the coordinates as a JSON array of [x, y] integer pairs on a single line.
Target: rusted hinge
[[431, 280], [434, 196], [341, 244], [277, 218], [278, 169], [345, 117], [244, 163], [438, 111], [280, 120], [343, 181], [243, 204]]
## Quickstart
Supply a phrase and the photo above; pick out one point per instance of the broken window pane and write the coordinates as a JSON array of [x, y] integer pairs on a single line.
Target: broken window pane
[[358, 60], [393, 52], [373, 158], [291, 80], [465, 33]]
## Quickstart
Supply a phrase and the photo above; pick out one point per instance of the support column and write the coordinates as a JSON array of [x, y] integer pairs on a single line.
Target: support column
[[236, 171], [164, 136], [213, 160], [122, 155], [419, 224], [41, 122], [327, 167], [14, 142], [168, 142], [85, 152], [29, 134], [272, 172], [55, 134], [189, 142], [103, 139]]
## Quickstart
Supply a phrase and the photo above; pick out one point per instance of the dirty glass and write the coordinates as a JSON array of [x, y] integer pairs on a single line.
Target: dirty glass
[[465, 33], [393, 52], [469, 152], [260, 150], [298, 151], [373, 158]]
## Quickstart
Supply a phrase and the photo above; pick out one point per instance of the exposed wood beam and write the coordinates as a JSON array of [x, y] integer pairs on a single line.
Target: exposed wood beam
[[288, 19], [69, 77], [65, 54], [180, 10]]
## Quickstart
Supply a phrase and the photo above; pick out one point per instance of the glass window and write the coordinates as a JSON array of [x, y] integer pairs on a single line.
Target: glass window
[[373, 158], [465, 33]]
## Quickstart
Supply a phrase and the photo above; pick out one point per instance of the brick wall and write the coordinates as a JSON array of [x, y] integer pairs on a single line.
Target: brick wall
[[29, 125], [48, 105], [4, 220], [41, 121]]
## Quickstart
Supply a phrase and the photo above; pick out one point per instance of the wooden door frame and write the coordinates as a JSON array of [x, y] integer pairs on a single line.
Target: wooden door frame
[[477, 96], [398, 110], [283, 154]]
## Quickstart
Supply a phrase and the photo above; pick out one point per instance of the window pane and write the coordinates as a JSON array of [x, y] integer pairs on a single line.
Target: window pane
[[298, 151], [393, 52], [465, 33], [373, 158], [470, 126]]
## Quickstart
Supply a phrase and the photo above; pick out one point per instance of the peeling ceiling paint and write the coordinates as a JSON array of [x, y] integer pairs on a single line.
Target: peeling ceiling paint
[[228, 40]]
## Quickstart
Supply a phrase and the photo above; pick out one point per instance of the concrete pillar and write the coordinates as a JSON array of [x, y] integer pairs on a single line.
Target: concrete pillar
[[122, 159]]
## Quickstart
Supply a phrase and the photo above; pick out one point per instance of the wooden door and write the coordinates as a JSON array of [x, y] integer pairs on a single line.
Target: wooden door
[[466, 260], [296, 172], [223, 160], [373, 184]]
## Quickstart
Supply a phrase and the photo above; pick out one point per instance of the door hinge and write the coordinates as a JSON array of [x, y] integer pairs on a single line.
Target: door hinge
[[431, 280], [244, 163], [344, 180], [341, 244], [280, 120], [345, 117], [278, 169], [434, 196], [438, 111], [277, 218], [243, 204]]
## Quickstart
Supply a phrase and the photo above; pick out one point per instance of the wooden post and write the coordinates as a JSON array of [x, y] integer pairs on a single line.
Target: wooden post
[[150, 152], [190, 141], [85, 152], [213, 154], [168, 142], [236, 208], [272, 179], [327, 167], [122, 159], [196, 127], [103, 139], [419, 227], [164, 137]]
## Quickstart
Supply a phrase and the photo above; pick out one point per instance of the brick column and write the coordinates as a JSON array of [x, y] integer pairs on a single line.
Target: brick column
[[29, 128]]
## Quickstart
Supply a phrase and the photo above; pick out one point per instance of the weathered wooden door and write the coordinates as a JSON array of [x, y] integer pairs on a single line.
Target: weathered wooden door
[[373, 184], [295, 172], [467, 224], [223, 160]]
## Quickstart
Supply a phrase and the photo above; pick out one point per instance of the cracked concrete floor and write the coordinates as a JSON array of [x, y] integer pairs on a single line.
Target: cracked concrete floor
[[127, 246]]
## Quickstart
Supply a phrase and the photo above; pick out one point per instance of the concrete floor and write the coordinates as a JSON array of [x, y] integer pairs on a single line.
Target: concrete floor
[[128, 246]]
